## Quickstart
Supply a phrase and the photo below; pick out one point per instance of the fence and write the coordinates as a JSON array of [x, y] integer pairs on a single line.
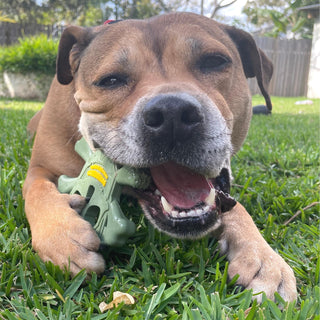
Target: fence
[[11, 32], [291, 59]]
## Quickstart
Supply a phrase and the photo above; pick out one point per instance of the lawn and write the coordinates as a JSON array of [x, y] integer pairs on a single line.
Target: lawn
[[276, 175]]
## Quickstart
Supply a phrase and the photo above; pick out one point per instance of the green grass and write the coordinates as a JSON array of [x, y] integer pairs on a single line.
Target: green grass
[[276, 174]]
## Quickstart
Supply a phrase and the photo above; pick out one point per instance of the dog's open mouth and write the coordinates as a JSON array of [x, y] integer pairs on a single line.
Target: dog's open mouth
[[183, 203]]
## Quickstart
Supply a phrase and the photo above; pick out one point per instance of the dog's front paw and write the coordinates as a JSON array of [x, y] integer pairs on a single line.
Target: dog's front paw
[[261, 269], [258, 266], [66, 239]]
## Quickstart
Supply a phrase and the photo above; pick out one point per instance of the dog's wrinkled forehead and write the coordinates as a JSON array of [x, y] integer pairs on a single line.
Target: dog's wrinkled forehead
[[157, 41]]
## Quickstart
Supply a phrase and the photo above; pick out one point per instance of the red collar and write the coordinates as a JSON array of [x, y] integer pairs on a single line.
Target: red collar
[[111, 21]]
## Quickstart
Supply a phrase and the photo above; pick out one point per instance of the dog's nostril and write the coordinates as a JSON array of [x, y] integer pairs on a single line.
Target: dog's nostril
[[190, 116], [154, 119]]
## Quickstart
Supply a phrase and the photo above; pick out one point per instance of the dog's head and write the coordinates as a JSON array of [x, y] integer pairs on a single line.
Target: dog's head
[[168, 95]]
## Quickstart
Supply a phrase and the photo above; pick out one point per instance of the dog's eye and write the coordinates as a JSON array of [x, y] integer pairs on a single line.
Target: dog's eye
[[112, 81], [213, 63]]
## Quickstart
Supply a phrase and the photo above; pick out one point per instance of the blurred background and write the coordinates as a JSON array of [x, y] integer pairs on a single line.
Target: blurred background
[[276, 18], [288, 31]]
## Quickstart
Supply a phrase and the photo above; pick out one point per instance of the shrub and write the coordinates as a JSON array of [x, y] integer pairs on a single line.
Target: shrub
[[32, 54]]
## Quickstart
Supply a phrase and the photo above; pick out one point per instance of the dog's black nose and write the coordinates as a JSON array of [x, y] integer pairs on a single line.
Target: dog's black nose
[[171, 119]]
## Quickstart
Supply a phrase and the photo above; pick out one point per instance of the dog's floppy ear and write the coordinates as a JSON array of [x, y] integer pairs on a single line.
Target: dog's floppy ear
[[255, 63], [73, 41]]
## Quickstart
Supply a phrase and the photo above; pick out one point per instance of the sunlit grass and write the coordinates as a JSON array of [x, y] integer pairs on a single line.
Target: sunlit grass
[[275, 174]]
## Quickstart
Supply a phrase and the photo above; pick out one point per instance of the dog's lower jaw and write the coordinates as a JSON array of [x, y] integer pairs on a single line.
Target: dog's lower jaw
[[183, 228]]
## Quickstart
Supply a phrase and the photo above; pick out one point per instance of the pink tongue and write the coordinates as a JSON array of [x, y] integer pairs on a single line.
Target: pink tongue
[[181, 186]]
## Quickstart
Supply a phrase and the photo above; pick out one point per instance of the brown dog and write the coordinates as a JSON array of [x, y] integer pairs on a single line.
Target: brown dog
[[169, 95]]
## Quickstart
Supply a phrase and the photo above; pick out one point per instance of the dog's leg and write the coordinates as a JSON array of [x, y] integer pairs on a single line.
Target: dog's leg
[[59, 234], [250, 256]]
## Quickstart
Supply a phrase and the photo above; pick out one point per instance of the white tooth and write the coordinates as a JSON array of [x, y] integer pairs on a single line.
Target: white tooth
[[206, 209], [157, 193], [210, 200], [182, 214], [199, 212], [191, 213], [174, 214], [166, 205]]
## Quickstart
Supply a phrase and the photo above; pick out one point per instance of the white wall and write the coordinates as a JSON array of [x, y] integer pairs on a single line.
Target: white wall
[[314, 71]]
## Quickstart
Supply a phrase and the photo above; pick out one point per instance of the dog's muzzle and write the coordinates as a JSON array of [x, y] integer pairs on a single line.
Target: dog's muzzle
[[183, 143], [180, 201]]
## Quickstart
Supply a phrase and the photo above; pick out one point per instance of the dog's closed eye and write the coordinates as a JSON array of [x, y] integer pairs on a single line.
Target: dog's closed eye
[[112, 81], [212, 63]]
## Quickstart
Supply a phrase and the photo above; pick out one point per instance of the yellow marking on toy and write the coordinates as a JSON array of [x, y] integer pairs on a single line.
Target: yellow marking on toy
[[97, 175], [100, 169]]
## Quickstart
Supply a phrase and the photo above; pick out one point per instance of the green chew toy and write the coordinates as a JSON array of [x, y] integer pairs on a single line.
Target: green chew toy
[[100, 181]]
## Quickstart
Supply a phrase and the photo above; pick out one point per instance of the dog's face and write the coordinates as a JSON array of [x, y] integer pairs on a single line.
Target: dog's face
[[163, 95]]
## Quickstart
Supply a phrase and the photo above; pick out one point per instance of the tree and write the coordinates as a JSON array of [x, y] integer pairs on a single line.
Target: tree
[[135, 9], [22, 11], [93, 12], [220, 4], [140, 9], [4, 18], [67, 11], [209, 8], [282, 16]]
